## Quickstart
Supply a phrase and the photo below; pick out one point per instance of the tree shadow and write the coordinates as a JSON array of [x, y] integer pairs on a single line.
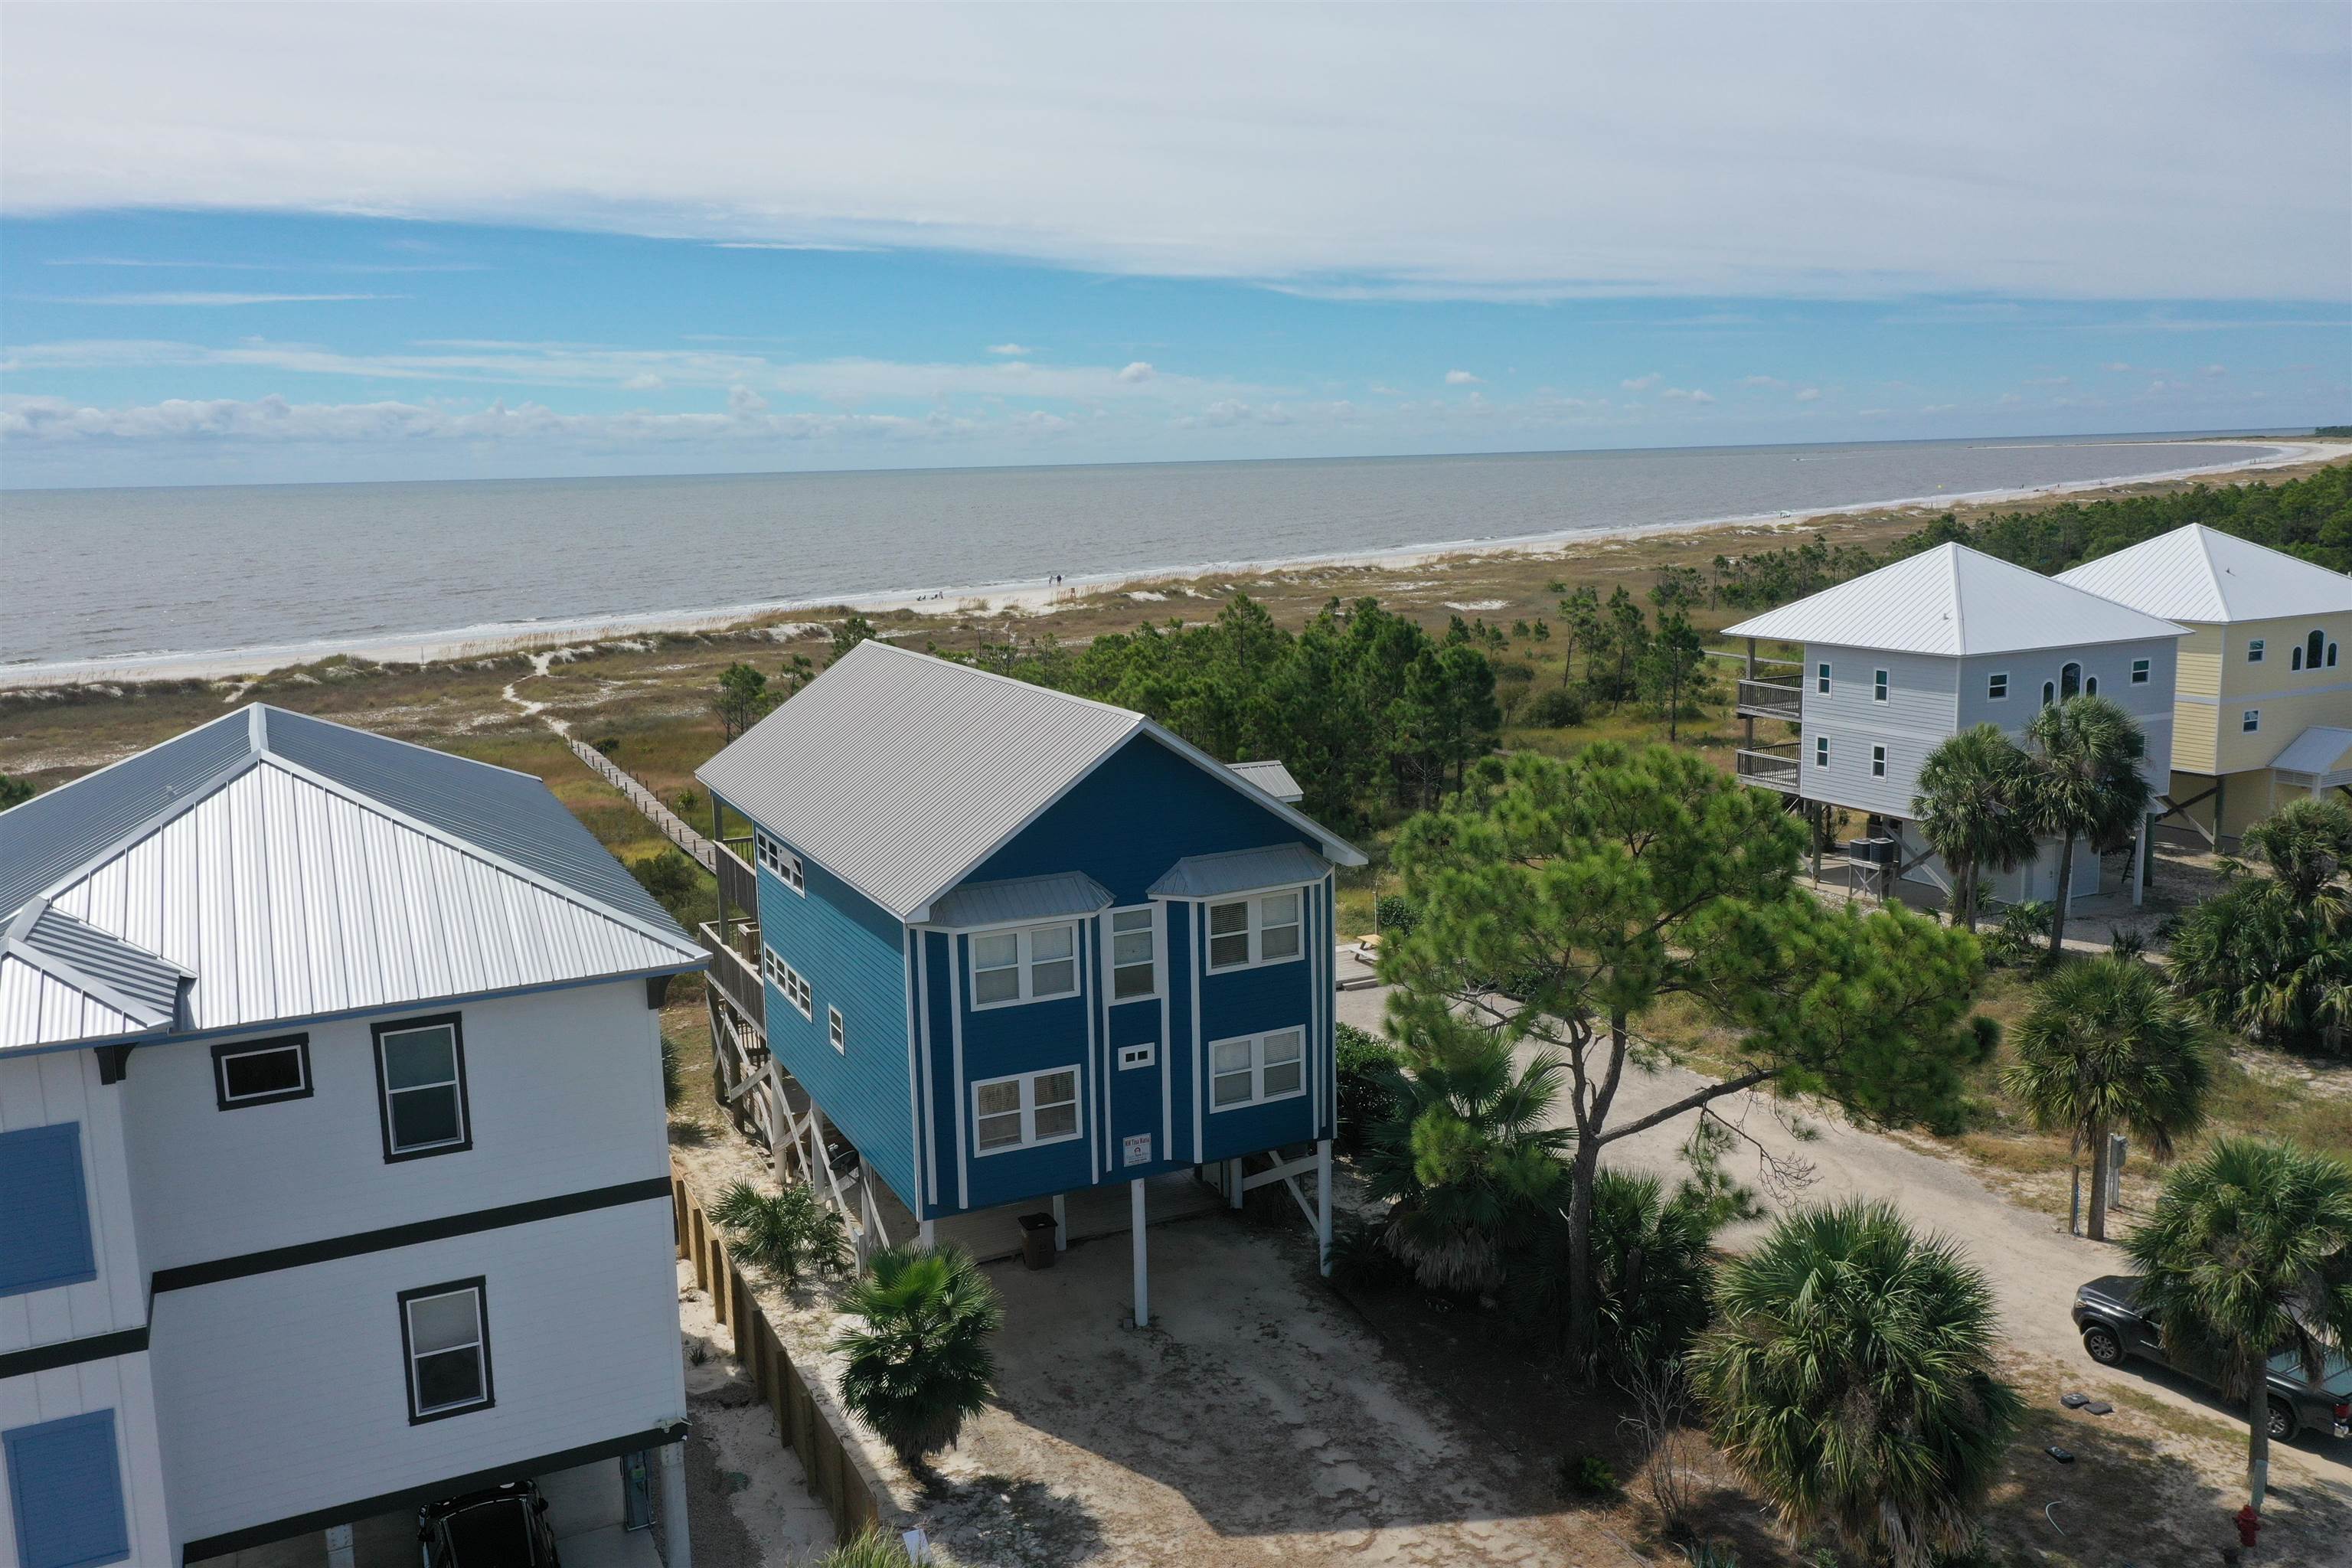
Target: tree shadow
[[1004, 1520]]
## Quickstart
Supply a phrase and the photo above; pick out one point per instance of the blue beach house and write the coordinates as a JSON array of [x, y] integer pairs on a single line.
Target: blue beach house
[[1012, 943]]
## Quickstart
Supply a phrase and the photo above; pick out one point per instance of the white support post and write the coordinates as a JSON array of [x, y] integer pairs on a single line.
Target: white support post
[[1234, 1184], [1142, 1276], [1061, 1226], [1323, 1203], [676, 1551], [780, 1137], [2139, 863], [924, 1235], [339, 1551]]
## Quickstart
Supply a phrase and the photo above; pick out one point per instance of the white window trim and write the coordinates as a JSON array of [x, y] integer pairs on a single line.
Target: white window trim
[[2142, 671], [786, 867], [1997, 686], [1255, 901], [1881, 683], [1256, 1044], [1111, 966], [797, 991], [1820, 681], [1028, 1082], [299, 1044], [1143, 1055], [419, 1412], [2249, 722], [456, 1083], [1878, 761], [2254, 650], [836, 1032], [1821, 751], [1023, 963]]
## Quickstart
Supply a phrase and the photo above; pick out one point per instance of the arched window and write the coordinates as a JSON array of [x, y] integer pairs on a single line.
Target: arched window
[[2091, 687], [2331, 655], [2049, 694], [2314, 647], [2296, 661], [2070, 681]]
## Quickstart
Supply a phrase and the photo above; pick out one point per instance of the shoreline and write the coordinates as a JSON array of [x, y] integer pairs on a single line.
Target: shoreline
[[503, 638]]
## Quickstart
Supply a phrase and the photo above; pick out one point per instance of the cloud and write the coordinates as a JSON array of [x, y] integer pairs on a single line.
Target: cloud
[[1769, 382], [1010, 349], [1677, 394], [203, 297], [1938, 407], [1461, 378], [1139, 371], [1874, 413], [648, 382], [2050, 381], [2116, 368], [2215, 371], [1642, 383], [742, 400], [1381, 389], [1809, 395], [2009, 399]]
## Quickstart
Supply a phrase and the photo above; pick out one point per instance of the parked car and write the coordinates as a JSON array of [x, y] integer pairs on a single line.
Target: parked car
[[2114, 1329], [503, 1526]]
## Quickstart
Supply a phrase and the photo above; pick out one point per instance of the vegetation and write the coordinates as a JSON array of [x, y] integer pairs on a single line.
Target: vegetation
[[1601, 887], [2084, 783], [921, 1366], [743, 698], [872, 1547], [1967, 808], [673, 1071], [1851, 1382], [788, 1234], [2249, 1255], [14, 792], [1364, 1063], [2107, 1047], [677, 884], [2270, 955]]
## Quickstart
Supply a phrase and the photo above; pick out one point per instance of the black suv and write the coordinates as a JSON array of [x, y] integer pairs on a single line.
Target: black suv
[[2108, 1312], [503, 1526]]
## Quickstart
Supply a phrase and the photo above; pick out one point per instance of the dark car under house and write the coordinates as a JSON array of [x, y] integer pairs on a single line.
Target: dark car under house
[[2114, 1329], [503, 1526]]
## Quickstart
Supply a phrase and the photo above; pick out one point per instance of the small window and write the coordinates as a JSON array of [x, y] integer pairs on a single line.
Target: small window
[[2331, 655], [1024, 1111], [781, 861], [2254, 651], [2251, 721], [1821, 751], [1878, 686], [261, 1072], [836, 1031], [2294, 658], [2090, 685], [1142, 1056], [1256, 1068], [2070, 683], [45, 1221], [420, 1074], [1821, 678], [792, 983], [2314, 649], [1134, 954], [1032, 966], [1997, 686], [445, 1335], [2140, 672], [65, 1487], [2049, 694], [1246, 932], [1878, 761]]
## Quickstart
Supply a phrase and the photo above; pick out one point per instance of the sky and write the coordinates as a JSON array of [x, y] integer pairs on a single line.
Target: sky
[[360, 242]]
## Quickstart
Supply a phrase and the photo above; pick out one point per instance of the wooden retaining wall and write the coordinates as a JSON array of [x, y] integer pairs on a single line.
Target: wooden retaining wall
[[808, 1421]]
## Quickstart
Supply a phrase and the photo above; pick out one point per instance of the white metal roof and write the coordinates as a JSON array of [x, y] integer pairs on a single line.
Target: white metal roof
[[900, 772], [2197, 573], [1060, 895], [1271, 777], [1239, 871], [2321, 750], [288, 892], [1953, 600]]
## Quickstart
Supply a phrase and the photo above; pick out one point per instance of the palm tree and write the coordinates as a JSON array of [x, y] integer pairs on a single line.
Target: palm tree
[[1970, 809], [2248, 1258], [1467, 1157], [2270, 955], [786, 1234], [921, 1366], [2105, 1045], [2086, 784], [1850, 1381]]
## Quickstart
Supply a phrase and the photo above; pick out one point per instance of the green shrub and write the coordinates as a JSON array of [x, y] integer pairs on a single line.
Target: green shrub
[[675, 883], [1361, 1260], [873, 1548], [1587, 1476], [2020, 939], [788, 1234], [921, 1366], [1558, 708], [1366, 1066], [1396, 915], [673, 1084]]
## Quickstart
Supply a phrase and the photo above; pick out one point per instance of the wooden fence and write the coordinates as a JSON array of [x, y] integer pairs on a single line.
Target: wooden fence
[[808, 1421]]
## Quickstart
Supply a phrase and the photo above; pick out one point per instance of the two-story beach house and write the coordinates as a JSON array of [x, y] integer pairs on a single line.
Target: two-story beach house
[[1013, 943], [2263, 708], [334, 1162], [1899, 660]]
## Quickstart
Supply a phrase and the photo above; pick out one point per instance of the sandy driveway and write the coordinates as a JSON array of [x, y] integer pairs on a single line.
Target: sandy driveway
[[2033, 1265]]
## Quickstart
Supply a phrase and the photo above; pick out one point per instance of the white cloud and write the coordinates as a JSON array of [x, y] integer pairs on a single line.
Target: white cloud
[[647, 382], [1461, 378], [2116, 368], [1139, 371], [204, 297], [742, 400], [1769, 383], [1642, 383], [2215, 371], [1809, 395], [1938, 407], [2050, 381], [1677, 394], [1381, 389], [2008, 399], [1845, 146], [1010, 349]]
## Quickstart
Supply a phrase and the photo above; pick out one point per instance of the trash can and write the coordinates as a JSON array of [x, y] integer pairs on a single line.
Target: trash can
[[1037, 1241]]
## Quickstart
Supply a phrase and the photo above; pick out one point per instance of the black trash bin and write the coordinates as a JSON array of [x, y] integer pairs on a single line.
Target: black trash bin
[[1037, 1241]]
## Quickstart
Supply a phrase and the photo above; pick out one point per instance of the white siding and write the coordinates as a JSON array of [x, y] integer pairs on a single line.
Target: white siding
[[62, 1085], [281, 1394], [119, 1384], [1917, 716], [564, 1094], [2110, 663]]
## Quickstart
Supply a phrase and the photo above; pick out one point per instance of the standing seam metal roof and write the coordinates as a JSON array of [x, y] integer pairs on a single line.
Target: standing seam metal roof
[[899, 773], [2199, 574]]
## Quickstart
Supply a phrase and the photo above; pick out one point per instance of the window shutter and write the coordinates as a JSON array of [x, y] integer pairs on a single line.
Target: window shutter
[[44, 1224], [66, 1489]]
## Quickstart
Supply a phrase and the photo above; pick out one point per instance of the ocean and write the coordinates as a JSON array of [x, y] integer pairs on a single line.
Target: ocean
[[99, 582]]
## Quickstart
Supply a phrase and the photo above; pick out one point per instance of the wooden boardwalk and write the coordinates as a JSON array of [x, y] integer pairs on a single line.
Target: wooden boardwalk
[[673, 827]]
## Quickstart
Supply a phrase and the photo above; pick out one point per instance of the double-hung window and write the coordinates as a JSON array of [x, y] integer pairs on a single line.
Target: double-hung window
[[1260, 930], [2140, 672], [1878, 686], [420, 1074], [1134, 953], [792, 983], [1254, 1068], [261, 1072], [1821, 751], [64, 1490], [2251, 721], [1997, 686], [1024, 1111], [1878, 761], [2254, 651], [781, 861], [836, 1031], [1034, 964], [445, 1338], [1821, 678]]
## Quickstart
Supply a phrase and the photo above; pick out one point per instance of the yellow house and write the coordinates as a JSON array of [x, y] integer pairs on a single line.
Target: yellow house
[[2263, 706]]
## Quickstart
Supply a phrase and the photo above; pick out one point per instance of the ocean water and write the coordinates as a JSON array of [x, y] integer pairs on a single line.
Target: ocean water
[[100, 580]]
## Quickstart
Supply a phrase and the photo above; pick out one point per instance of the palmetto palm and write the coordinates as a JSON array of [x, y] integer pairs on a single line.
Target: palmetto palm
[[1970, 809], [1850, 1380], [2271, 955], [921, 1366], [786, 1233], [2086, 784], [2105, 1046], [2249, 1255]]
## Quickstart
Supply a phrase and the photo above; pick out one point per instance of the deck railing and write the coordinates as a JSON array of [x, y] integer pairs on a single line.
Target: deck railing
[[1771, 700], [1773, 770], [738, 883], [735, 975]]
